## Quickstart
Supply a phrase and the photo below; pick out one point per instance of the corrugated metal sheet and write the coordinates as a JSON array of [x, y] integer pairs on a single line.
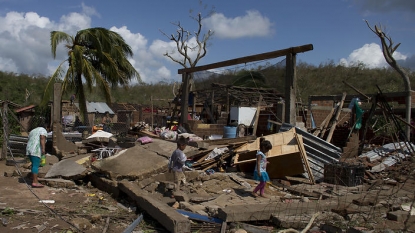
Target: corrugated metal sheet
[[97, 107], [390, 154], [319, 152]]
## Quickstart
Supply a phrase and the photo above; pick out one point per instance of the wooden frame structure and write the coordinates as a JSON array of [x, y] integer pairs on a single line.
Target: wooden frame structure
[[290, 79]]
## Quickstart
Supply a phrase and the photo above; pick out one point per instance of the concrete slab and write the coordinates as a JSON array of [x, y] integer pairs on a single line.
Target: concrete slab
[[138, 162], [259, 212], [165, 215], [59, 183], [65, 168]]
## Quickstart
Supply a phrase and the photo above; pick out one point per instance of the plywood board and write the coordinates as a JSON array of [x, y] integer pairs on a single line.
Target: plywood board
[[278, 166]]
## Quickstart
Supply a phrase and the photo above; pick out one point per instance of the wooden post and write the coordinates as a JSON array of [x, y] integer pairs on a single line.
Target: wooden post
[[185, 98], [151, 100], [212, 110], [290, 84], [333, 126], [5, 131], [228, 107], [57, 100], [258, 110], [323, 125], [194, 106]]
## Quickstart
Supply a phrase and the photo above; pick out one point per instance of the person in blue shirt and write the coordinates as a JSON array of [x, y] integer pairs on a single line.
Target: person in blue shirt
[[260, 173]]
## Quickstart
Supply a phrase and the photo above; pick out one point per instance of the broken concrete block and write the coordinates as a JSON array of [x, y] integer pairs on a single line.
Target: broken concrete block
[[284, 221], [166, 216], [82, 223], [184, 205], [205, 178], [152, 187], [165, 186], [196, 208], [218, 176], [212, 210], [181, 196], [191, 175], [59, 183], [400, 216], [330, 228], [67, 169], [145, 182], [8, 174]]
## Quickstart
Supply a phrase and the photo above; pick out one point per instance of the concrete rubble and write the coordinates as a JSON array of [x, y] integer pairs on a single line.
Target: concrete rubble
[[223, 197]]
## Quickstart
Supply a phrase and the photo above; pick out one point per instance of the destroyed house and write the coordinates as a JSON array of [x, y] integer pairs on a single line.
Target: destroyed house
[[219, 106]]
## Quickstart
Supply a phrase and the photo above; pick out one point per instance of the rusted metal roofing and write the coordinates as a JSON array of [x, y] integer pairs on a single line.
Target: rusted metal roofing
[[124, 107]]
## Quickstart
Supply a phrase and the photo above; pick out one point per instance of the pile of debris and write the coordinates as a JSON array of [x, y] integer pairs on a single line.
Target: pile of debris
[[309, 185]]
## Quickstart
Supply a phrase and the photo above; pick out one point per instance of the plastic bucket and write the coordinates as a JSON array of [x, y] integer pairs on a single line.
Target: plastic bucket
[[229, 132]]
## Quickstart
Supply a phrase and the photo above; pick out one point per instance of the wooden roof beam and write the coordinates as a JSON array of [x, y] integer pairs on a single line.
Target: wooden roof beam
[[241, 60]]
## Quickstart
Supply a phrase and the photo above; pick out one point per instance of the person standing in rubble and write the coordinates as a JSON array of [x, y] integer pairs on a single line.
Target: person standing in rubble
[[260, 173], [36, 147], [106, 122], [176, 163]]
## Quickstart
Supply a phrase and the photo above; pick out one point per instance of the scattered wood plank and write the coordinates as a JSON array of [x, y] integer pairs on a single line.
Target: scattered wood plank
[[336, 118], [304, 158]]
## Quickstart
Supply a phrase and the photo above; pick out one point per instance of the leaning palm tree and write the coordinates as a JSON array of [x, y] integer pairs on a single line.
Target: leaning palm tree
[[96, 57]]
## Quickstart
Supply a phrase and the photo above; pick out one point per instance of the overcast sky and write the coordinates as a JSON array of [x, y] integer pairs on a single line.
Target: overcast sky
[[336, 28]]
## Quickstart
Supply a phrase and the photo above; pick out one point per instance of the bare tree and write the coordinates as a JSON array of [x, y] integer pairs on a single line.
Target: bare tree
[[182, 39], [388, 49]]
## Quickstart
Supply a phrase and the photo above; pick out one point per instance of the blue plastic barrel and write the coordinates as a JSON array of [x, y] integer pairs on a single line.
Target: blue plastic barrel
[[229, 132]]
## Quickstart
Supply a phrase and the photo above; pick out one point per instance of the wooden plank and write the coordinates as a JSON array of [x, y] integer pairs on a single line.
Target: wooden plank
[[304, 158], [241, 60], [323, 125], [279, 166], [336, 119], [258, 110], [226, 141]]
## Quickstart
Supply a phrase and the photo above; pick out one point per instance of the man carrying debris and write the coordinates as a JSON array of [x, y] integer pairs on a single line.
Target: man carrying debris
[[176, 163]]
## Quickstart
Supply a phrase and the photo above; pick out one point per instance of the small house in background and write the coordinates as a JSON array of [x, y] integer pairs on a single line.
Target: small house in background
[[96, 111], [69, 113], [128, 114]]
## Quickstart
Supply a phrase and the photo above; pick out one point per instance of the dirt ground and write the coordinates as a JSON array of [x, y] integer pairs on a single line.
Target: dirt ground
[[83, 207]]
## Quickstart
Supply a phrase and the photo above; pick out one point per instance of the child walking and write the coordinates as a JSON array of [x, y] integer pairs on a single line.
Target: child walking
[[260, 172], [176, 163]]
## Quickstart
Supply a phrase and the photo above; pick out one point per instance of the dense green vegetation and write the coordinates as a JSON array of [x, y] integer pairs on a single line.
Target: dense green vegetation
[[326, 79]]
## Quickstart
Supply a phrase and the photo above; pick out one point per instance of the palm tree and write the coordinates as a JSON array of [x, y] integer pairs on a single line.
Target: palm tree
[[96, 57]]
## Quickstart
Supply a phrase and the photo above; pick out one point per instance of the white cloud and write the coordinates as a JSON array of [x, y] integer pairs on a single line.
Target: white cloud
[[371, 55], [253, 24], [73, 22], [145, 59], [25, 45]]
